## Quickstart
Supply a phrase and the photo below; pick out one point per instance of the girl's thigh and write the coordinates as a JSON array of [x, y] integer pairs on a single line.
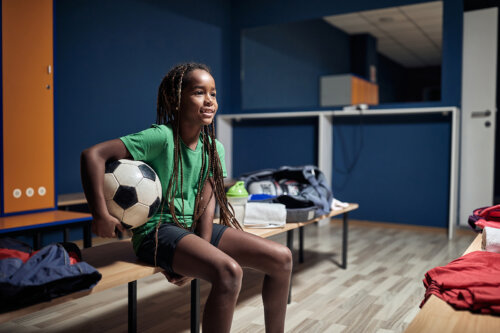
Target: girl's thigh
[[254, 251], [195, 257]]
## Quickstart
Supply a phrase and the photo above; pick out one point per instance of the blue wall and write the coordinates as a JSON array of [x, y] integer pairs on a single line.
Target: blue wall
[[282, 63], [390, 80], [110, 57], [396, 168], [273, 143]]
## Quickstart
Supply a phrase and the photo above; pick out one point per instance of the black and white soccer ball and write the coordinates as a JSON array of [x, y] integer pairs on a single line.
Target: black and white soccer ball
[[132, 191]]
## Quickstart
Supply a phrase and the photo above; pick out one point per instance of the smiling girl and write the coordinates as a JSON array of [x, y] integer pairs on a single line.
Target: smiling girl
[[182, 238]]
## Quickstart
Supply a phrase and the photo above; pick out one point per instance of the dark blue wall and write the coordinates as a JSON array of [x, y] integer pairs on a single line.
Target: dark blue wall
[[273, 143], [110, 57], [396, 168], [363, 55], [398, 84], [282, 63], [390, 80]]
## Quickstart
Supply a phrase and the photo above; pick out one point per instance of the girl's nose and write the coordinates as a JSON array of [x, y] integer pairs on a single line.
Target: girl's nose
[[208, 100]]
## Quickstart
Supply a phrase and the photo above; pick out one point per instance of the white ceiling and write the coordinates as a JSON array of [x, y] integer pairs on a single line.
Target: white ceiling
[[409, 35]]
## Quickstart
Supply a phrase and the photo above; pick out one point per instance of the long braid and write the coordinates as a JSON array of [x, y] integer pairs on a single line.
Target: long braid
[[198, 212], [177, 85], [226, 209]]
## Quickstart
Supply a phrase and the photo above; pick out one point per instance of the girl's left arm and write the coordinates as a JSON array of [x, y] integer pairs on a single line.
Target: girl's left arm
[[204, 228]]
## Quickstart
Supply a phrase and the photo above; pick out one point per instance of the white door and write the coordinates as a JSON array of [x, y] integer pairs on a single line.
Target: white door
[[479, 80]]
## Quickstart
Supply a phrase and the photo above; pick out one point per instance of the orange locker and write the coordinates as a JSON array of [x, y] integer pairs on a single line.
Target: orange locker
[[28, 105]]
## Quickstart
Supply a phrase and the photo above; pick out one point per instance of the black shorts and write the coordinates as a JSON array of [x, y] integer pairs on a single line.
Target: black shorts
[[169, 235]]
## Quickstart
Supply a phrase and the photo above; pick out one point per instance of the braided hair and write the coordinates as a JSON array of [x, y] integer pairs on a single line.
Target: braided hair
[[168, 112]]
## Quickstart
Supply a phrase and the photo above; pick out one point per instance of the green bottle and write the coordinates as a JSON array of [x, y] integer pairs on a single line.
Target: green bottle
[[237, 196]]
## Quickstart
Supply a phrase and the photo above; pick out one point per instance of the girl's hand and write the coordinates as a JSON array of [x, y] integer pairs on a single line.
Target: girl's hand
[[178, 280], [106, 226]]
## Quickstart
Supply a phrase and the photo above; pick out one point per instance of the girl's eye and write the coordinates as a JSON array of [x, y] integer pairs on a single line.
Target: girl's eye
[[198, 92], [213, 94]]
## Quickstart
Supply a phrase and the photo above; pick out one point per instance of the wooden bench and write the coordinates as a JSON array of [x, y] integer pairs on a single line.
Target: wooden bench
[[118, 265], [438, 316]]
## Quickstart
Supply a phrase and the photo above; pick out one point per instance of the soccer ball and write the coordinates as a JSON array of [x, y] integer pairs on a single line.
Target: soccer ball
[[132, 191]]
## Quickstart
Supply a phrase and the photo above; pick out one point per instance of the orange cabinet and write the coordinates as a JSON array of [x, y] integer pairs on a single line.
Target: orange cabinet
[[28, 105], [363, 91], [347, 89]]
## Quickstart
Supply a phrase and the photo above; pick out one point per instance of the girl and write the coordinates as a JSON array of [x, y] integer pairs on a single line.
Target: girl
[[181, 238]]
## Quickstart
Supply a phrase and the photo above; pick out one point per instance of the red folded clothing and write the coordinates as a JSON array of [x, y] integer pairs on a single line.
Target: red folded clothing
[[471, 282]]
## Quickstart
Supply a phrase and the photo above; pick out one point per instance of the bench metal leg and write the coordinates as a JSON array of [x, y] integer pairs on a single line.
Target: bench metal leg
[[87, 234], [195, 306], [37, 240], [66, 234], [301, 245], [344, 240], [289, 244], [132, 307]]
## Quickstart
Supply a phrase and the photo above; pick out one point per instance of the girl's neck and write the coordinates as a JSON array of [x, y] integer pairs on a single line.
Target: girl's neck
[[190, 135]]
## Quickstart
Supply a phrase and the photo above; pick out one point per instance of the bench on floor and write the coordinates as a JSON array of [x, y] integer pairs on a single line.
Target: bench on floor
[[117, 263]]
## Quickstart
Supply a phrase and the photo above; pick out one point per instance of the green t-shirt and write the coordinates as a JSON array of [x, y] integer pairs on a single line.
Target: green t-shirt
[[155, 146]]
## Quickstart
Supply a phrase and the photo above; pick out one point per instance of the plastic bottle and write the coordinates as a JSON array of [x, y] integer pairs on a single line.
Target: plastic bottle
[[237, 196]]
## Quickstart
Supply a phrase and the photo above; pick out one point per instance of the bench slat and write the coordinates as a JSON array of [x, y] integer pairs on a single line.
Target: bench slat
[[117, 263]]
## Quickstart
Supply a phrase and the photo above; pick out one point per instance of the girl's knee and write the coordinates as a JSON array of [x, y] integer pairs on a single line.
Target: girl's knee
[[283, 258], [228, 277]]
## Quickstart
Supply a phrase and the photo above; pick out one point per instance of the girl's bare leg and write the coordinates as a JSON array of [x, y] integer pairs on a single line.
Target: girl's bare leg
[[197, 258], [271, 258]]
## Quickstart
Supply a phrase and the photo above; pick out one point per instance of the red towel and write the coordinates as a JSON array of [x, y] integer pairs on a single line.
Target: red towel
[[471, 282]]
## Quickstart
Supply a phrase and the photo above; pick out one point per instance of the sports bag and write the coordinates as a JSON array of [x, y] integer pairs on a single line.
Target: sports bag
[[304, 190]]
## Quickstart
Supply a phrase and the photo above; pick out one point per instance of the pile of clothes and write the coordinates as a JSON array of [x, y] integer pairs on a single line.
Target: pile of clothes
[[472, 282], [28, 277]]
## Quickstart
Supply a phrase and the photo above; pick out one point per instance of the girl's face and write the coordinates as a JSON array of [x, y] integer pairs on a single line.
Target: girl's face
[[198, 99]]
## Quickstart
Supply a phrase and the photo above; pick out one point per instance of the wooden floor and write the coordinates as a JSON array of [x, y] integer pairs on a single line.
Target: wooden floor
[[379, 292]]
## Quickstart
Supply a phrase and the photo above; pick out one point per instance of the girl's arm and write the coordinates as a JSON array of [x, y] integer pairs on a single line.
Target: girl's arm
[[204, 228], [92, 164]]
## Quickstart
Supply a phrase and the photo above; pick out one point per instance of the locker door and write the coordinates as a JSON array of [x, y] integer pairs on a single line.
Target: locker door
[[28, 105]]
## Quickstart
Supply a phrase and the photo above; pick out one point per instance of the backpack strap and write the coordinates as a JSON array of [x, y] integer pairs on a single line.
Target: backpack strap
[[318, 181], [264, 174]]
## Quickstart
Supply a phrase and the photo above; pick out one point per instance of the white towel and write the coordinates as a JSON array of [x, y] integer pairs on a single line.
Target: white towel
[[338, 205], [265, 215], [491, 240]]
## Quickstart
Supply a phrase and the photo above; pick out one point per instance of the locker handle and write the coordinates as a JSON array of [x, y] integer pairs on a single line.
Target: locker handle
[[480, 114]]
